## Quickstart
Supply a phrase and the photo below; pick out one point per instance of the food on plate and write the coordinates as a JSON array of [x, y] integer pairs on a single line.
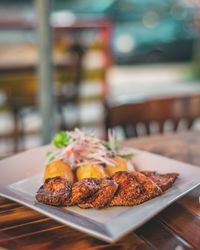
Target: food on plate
[[89, 170], [83, 189], [121, 189], [85, 171], [164, 181], [55, 191], [59, 168], [150, 188], [134, 189], [80, 149], [103, 197], [121, 165]]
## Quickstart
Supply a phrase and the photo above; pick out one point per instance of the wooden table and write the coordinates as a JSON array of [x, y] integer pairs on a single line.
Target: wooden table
[[176, 227]]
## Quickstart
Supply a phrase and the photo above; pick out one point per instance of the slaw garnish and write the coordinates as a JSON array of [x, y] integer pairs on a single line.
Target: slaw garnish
[[77, 148]]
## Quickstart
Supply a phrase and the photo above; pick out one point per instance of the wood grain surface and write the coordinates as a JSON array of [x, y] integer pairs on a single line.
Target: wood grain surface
[[176, 227]]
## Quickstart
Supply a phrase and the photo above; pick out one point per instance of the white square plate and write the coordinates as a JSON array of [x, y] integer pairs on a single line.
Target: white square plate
[[22, 174]]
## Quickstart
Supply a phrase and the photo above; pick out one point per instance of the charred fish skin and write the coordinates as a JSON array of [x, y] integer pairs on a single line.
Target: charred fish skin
[[164, 181], [83, 189], [150, 188], [129, 188], [103, 196], [55, 191], [121, 189]]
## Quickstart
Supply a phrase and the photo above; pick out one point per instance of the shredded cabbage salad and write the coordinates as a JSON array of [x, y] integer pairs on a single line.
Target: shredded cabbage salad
[[77, 148]]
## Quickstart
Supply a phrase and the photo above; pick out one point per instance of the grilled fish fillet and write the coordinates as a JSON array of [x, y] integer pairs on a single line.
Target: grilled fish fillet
[[83, 189], [55, 191], [121, 189], [103, 196], [129, 189], [164, 181]]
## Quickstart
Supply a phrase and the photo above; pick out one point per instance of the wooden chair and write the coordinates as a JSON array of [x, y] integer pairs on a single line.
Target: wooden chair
[[21, 95], [153, 111]]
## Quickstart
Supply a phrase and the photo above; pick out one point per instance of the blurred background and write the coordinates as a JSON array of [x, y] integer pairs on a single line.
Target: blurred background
[[124, 50]]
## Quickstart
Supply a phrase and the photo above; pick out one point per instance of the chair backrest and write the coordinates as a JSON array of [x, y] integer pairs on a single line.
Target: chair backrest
[[157, 111]]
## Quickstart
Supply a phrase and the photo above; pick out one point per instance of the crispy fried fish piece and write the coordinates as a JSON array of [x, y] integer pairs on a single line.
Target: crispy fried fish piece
[[121, 189], [55, 191], [164, 181], [103, 196], [83, 189], [129, 189], [149, 188]]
